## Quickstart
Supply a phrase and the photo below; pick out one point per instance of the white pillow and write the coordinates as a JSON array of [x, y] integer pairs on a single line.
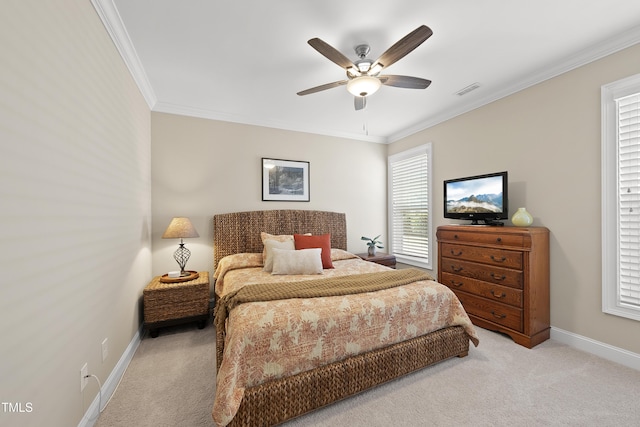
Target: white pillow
[[270, 245], [303, 261], [279, 237]]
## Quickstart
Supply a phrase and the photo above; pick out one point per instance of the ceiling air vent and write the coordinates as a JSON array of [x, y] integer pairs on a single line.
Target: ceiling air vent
[[468, 89]]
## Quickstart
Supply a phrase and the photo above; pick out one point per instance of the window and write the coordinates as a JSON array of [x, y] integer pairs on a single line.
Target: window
[[409, 174], [621, 198]]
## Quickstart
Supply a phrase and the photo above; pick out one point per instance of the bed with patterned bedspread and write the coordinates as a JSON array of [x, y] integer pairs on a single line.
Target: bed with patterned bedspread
[[288, 343]]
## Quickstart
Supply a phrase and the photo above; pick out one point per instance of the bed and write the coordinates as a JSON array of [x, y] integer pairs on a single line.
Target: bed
[[267, 372]]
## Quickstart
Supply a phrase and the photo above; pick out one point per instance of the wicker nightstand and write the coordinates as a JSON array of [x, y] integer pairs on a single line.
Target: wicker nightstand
[[380, 258], [166, 304]]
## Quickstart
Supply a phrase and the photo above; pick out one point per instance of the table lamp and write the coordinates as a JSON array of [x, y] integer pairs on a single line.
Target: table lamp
[[181, 227]]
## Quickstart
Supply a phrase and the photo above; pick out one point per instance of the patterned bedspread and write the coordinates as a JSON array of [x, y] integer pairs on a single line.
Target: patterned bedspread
[[235, 271], [269, 340]]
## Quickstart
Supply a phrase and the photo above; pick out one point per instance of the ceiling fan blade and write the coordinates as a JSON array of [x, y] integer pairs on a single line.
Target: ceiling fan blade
[[407, 82], [330, 53], [322, 87], [359, 102], [404, 46]]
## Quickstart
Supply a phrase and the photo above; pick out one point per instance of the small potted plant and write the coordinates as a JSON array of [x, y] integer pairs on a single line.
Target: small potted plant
[[373, 244]]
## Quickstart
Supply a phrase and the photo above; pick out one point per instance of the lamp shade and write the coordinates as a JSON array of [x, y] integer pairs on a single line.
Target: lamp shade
[[180, 227], [363, 86]]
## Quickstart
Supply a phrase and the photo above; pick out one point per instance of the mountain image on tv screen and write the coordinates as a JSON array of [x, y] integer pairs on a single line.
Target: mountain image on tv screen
[[482, 195]]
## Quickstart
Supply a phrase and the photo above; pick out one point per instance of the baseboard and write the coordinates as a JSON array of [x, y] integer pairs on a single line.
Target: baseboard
[[109, 387], [606, 351]]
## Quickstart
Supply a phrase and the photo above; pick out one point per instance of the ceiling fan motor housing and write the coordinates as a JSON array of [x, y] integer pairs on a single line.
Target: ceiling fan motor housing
[[362, 50], [363, 65]]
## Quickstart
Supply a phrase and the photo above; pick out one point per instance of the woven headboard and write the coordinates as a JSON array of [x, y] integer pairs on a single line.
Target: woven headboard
[[239, 232]]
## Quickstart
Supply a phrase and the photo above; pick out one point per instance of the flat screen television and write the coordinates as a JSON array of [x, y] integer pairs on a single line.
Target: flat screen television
[[482, 199]]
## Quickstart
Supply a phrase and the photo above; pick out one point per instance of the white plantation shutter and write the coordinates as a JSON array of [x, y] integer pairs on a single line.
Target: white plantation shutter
[[621, 198], [409, 206], [629, 194]]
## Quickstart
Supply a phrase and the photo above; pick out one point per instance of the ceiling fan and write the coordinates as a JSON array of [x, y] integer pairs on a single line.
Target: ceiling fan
[[363, 75]]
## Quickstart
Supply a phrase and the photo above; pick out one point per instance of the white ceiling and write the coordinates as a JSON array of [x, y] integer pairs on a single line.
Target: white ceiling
[[244, 61]]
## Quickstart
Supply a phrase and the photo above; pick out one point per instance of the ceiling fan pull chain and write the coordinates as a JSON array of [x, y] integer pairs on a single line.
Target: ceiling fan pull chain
[[365, 124]]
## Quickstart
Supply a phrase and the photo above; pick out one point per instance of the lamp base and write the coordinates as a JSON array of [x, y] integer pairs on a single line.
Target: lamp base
[[190, 275]]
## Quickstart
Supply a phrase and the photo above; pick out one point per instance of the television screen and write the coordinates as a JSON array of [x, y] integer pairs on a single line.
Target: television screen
[[481, 197]]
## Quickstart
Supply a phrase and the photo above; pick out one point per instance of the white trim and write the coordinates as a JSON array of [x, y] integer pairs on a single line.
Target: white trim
[[411, 152], [584, 57], [110, 17], [597, 348], [182, 110], [609, 198], [415, 262], [109, 387], [578, 342], [611, 303]]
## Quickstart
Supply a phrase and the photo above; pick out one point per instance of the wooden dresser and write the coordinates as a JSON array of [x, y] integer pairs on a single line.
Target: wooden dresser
[[501, 276]]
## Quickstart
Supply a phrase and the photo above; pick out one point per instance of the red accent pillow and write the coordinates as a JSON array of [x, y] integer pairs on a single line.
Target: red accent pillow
[[322, 241]]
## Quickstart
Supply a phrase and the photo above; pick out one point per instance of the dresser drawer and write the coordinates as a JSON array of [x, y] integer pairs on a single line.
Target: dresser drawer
[[503, 294], [495, 312], [500, 257], [500, 239], [487, 273]]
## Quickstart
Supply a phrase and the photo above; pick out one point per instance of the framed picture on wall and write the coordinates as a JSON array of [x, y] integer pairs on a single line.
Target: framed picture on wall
[[285, 180]]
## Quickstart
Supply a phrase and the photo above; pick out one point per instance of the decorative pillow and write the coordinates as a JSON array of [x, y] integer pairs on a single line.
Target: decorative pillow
[[304, 261], [278, 237], [340, 254], [269, 246], [322, 241]]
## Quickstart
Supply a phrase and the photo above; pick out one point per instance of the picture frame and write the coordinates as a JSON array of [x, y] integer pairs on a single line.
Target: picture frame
[[285, 180]]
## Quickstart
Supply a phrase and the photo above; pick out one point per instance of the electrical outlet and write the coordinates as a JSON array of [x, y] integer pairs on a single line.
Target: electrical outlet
[[84, 371], [105, 350]]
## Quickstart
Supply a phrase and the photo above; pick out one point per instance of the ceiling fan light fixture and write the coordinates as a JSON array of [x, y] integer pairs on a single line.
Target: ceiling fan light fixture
[[364, 65], [375, 69], [353, 72], [363, 86]]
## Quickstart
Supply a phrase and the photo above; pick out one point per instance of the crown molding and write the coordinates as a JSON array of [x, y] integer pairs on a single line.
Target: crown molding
[[112, 22], [183, 110], [584, 57]]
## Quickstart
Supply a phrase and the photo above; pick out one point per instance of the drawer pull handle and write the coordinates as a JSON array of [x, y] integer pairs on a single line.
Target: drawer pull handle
[[457, 285], [502, 294], [456, 253], [498, 316], [496, 259], [455, 236], [496, 277], [456, 269], [499, 239]]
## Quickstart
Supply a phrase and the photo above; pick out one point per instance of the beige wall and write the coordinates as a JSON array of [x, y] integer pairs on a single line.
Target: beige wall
[[75, 247], [77, 172], [548, 138], [202, 167]]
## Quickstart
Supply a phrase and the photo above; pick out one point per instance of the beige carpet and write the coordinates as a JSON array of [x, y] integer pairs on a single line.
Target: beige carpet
[[170, 382]]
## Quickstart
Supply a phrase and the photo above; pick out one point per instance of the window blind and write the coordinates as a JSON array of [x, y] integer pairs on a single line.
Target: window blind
[[409, 205], [629, 199]]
